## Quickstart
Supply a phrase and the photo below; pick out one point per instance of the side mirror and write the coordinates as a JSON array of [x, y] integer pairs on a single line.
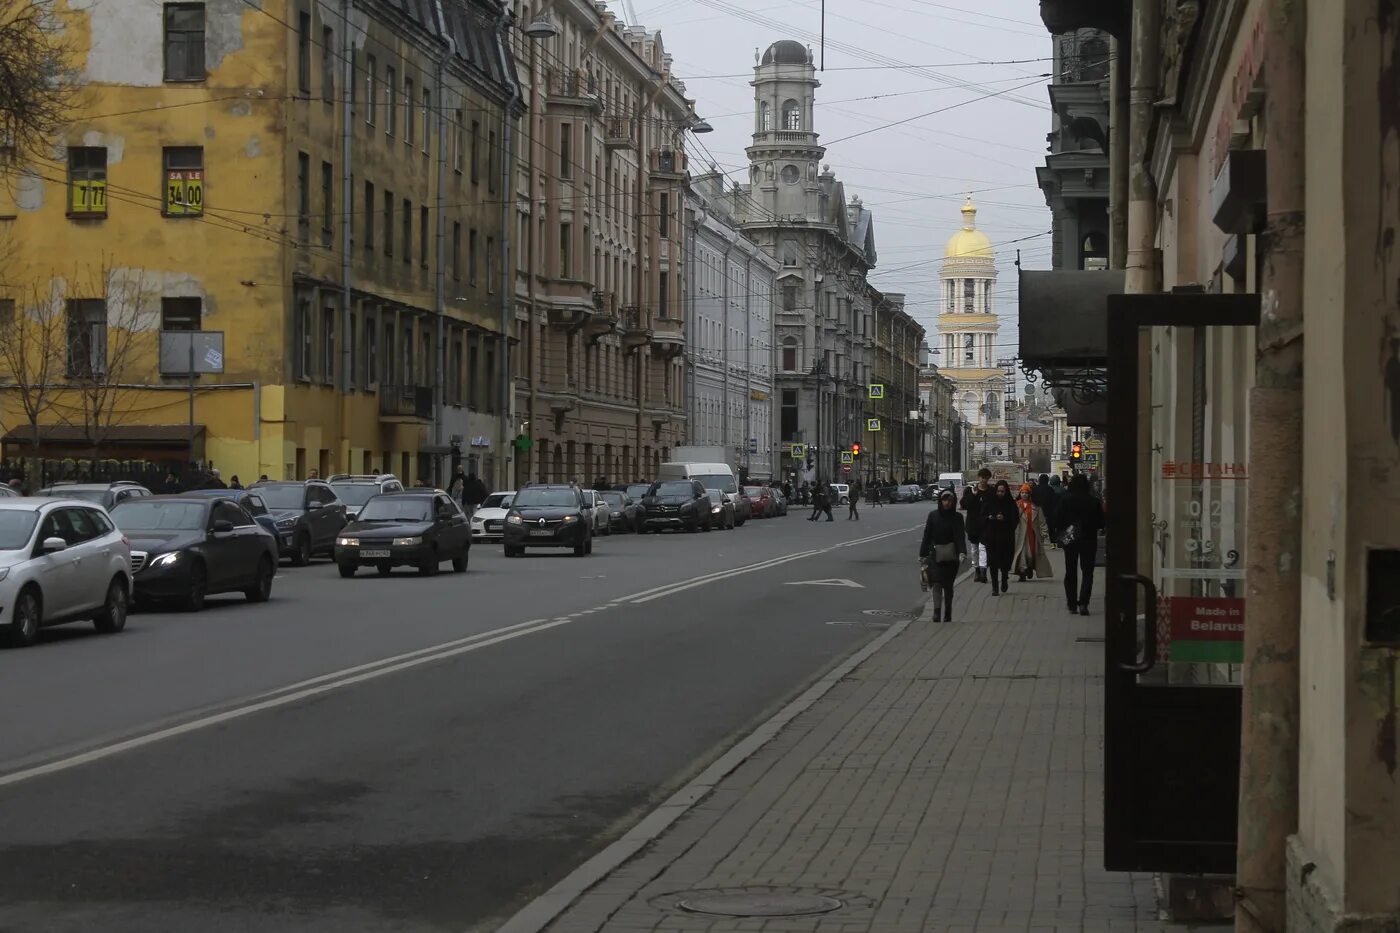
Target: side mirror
[[53, 545], [222, 526]]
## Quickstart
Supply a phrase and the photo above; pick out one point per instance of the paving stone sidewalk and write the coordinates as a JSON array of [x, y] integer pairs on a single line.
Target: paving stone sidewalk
[[952, 782]]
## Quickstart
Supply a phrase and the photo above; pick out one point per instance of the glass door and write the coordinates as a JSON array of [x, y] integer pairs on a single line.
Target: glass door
[[1180, 369]]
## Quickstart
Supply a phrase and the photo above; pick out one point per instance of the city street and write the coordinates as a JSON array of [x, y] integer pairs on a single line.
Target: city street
[[410, 753]]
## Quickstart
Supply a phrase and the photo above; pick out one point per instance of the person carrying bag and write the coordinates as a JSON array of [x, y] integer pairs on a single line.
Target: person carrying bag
[[941, 553]]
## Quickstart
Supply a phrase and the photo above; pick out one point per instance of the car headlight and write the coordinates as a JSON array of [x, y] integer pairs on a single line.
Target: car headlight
[[408, 542], [570, 518], [716, 510], [348, 542], [513, 519], [165, 560], [4, 572], [286, 522]]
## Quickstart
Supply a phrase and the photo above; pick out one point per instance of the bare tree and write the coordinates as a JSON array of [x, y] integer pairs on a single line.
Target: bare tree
[[38, 84], [32, 353]]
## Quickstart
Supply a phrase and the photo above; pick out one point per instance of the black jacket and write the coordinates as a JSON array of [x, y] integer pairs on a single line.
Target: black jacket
[[1084, 510], [1001, 531], [972, 501], [474, 491], [943, 527]]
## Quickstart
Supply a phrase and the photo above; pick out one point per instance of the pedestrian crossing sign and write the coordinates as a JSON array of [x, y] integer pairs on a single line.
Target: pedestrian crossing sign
[[877, 390], [872, 424], [798, 451], [847, 457]]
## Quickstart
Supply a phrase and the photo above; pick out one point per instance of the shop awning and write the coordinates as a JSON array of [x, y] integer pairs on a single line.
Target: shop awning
[[169, 436]]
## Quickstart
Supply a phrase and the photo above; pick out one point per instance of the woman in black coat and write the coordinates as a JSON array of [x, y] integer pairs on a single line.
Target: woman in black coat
[[944, 530], [1079, 520], [1000, 517]]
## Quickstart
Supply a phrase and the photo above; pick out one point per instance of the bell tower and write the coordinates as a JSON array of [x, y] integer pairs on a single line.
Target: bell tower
[[785, 154]]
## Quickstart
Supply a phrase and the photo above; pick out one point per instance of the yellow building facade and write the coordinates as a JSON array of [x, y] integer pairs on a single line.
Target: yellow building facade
[[319, 205]]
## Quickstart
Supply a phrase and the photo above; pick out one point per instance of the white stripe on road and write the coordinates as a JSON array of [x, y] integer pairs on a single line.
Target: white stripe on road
[[635, 597], [725, 575]]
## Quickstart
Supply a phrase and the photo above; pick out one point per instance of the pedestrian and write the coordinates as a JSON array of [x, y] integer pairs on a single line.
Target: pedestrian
[[1032, 558], [1000, 516], [973, 498], [828, 497], [817, 497], [856, 490], [457, 485], [262, 478], [943, 548], [474, 492], [17, 485], [1052, 510], [171, 483], [213, 481], [313, 473], [1079, 521], [234, 483], [787, 490]]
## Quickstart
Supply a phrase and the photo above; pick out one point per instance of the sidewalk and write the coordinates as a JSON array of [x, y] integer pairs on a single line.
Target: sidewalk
[[952, 781]]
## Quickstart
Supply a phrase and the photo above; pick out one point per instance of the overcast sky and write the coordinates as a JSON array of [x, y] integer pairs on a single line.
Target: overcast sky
[[914, 176]]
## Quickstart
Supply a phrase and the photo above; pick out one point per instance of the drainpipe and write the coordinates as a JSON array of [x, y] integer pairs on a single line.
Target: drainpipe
[[1141, 277], [508, 114], [347, 220], [1119, 69], [748, 358], [692, 337], [440, 280], [1268, 810], [724, 343]]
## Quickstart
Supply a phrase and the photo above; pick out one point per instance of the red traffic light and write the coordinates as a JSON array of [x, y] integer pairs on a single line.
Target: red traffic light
[[1076, 451], [855, 450]]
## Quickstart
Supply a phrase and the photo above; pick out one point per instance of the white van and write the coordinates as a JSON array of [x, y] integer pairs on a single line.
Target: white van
[[953, 481], [710, 475]]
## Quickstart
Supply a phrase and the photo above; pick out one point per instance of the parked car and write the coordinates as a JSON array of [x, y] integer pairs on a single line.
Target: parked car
[[677, 503], [909, 492], [308, 514], [762, 499], [489, 519], [780, 501], [410, 528], [625, 514], [600, 513], [187, 547], [549, 515], [721, 509], [248, 500], [9, 492], [743, 507], [842, 491], [106, 495], [635, 491], [355, 489], [60, 560]]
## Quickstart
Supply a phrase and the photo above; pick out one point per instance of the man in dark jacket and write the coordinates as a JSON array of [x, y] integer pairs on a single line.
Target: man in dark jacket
[[1080, 517], [1046, 499], [972, 499], [474, 493]]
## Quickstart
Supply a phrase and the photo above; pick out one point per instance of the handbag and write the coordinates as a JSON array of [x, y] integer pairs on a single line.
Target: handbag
[[945, 553], [1070, 536]]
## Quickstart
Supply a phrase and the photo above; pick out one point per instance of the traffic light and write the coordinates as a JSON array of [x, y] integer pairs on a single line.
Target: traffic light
[[1076, 451], [855, 450]]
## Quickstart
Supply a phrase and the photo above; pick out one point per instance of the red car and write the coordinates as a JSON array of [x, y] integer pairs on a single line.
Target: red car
[[764, 505]]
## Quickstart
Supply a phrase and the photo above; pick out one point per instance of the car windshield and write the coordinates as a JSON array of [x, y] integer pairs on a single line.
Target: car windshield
[[155, 515], [753, 491], [614, 498], [355, 493], [16, 525], [497, 500], [679, 488], [638, 490], [545, 498], [283, 497], [724, 482], [68, 492], [396, 509], [715, 496]]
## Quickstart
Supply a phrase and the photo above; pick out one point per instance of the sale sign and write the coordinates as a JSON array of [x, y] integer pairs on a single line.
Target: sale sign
[[1207, 629]]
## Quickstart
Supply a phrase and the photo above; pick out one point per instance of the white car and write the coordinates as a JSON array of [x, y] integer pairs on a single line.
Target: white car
[[60, 560], [491, 515], [843, 493], [602, 512]]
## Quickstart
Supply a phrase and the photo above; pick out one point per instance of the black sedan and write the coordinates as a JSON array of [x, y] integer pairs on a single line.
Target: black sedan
[[184, 548], [416, 528], [548, 516], [679, 504], [624, 514], [721, 510]]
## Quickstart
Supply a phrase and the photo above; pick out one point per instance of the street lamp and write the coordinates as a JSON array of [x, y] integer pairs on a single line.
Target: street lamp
[[540, 29], [701, 126]]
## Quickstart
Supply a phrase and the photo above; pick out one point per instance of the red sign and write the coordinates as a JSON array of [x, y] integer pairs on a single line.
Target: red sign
[[1216, 621], [1204, 470]]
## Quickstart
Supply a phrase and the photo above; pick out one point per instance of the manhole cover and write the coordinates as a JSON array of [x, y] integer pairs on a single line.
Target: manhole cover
[[893, 613], [764, 904]]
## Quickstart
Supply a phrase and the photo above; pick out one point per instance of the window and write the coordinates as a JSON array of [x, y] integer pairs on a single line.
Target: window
[[353, 80], [789, 415], [663, 221], [423, 237], [304, 52], [87, 337], [456, 251], [490, 393], [388, 223], [765, 117], [491, 162], [386, 352], [790, 355], [180, 313], [473, 373], [184, 42], [7, 313], [471, 258], [790, 299], [792, 115], [327, 201], [663, 296], [327, 64], [350, 331], [303, 195], [371, 349], [87, 181], [328, 345], [228, 512], [184, 181], [789, 252], [371, 88], [408, 111], [304, 340], [459, 144], [454, 371], [490, 264], [369, 217], [391, 112], [427, 108], [566, 232], [968, 342], [476, 152], [566, 158], [407, 223]]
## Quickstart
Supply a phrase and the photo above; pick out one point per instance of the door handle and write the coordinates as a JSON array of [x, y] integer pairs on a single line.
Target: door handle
[[1149, 634]]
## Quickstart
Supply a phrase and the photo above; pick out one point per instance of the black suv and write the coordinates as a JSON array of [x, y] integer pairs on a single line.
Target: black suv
[[548, 516], [308, 517], [676, 503]]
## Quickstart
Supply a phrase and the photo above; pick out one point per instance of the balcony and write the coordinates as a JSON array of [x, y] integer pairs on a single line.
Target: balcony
[[571, 87], [635, 327], [668, 336], [405, 404], [571, 302], [667, 164], [620, 132], [782, 136], [604, 319]]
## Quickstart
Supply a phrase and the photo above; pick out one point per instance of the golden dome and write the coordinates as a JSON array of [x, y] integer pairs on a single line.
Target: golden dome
[[969, 242]]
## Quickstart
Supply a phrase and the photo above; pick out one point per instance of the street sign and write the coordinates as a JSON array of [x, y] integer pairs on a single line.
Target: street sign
[[847, 457], [845, 469], [877, 390], [872, 424], [798, 451], [753, 445]]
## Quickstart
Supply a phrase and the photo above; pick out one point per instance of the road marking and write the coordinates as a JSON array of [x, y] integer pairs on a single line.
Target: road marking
[[718, 574], [832, 582], [740, 571]]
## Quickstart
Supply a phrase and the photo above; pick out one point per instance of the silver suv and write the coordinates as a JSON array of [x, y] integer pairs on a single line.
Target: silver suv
[[355, 489]]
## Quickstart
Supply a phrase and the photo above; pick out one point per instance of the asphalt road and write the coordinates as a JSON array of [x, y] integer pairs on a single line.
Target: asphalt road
[[403, 753]]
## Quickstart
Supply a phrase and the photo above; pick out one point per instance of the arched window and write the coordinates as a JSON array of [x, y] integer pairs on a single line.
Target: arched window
[[765, 117], [792, 115], [993, 406], [790, 355], [969, 342]]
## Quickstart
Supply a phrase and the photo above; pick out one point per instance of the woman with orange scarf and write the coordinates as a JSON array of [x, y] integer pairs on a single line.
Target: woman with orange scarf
[[1032, 539]]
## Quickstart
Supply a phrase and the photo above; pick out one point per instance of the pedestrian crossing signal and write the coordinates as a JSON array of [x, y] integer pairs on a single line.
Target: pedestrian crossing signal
[[1076, 451]]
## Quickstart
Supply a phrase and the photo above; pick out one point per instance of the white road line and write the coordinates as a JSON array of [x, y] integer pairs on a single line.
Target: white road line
[[724, 576], [636, 597]]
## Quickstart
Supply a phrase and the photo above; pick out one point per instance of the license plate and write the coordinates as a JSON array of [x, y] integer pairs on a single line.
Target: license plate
[[541, 533], [374, 553]]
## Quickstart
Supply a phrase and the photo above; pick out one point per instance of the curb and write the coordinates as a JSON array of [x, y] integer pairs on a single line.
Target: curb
[[545, 909]]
